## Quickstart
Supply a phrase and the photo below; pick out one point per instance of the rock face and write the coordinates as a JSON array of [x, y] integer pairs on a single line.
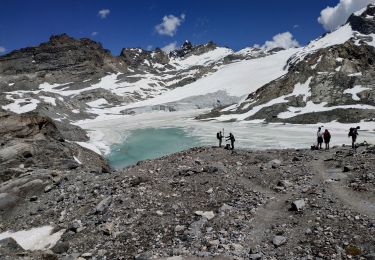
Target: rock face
[[59, 60], [32, 141], [141, 59], [364, 23], [322, 84]]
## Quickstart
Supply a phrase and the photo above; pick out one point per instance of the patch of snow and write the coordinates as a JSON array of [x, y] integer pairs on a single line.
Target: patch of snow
[[372, 43], [11, 84], [358, 74], [354, 91], [229, 108], [338, 68], [317, 62], [75, 111], [77, 160], [97, 103], [147, 63], [36, 238], [302, 89], [313, 108], [90, 147], [50, 100], [339, 59], [17, 106], [96, 143], [203, 59]]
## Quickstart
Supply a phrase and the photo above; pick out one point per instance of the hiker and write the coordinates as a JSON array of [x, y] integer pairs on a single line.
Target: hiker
[[319, 136], [232, 140], [219, 136], [353, 132], [327, 138]]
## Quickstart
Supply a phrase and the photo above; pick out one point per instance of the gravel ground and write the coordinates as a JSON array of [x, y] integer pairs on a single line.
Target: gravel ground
[[207, 202]]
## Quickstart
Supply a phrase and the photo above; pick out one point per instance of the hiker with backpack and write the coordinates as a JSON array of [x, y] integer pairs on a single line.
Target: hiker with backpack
[[319, 136], [353, 132], [327, 138], [231, 139], [220, 137]]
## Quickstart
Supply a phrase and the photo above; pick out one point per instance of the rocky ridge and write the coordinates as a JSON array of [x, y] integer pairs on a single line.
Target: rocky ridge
[[60, 78]]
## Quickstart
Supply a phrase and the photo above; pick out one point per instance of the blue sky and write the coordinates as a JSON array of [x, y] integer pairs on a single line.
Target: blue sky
[[234, 23]]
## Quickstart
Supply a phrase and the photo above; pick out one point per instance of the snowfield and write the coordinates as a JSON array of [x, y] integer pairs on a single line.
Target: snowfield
[[339, 36], [237, 79]]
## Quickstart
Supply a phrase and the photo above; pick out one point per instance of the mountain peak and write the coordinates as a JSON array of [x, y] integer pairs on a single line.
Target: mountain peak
[[364, 22], [187, 45], [61, 38]]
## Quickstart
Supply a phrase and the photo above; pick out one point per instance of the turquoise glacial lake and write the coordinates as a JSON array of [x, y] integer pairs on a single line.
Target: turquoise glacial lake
[[150, 143]]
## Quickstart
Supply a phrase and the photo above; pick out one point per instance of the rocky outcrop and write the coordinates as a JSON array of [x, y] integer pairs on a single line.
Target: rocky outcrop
[[141, 59], [188, 49], [60, 60], [31, 141], [365, 22]]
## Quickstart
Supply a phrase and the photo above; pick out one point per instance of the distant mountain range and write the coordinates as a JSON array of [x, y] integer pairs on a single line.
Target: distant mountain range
[[332, 78]]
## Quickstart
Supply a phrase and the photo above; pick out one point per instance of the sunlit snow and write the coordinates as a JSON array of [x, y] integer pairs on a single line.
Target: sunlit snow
[[40, 238]]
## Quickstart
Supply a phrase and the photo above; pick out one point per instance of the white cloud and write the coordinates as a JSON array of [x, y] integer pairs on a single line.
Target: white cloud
[[170, 47], [94, 33], [104, 13], [282, 40], [2, 49], [333, 17], [169, 25]]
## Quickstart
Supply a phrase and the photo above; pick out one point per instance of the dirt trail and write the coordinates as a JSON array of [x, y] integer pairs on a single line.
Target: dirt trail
[[333, 179], [267, 216], [275, 209]]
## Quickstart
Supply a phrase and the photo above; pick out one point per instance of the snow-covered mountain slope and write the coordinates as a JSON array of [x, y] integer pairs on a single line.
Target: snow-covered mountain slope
[[332, 78], [76, 79], [235, 79]]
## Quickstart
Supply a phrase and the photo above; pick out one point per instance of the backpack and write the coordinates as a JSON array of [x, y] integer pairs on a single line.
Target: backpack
[[327, 135], [218, 135], [351, 132]]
